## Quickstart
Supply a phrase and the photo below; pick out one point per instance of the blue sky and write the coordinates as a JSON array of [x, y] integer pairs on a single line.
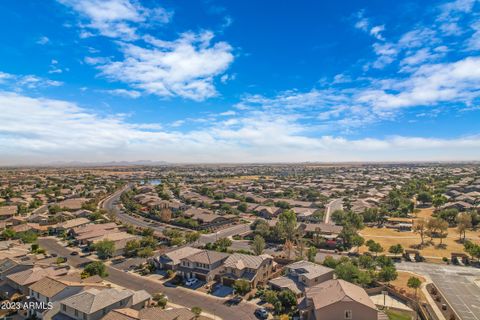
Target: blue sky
[[239, 81]]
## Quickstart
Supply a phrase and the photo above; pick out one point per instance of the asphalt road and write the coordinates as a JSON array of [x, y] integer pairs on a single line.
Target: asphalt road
[[180, 296], [224, 233], [111, 204], [456, 284]]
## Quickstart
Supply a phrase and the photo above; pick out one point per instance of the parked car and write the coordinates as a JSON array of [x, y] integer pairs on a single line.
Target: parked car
[[191, 281], [234, 301], [261, 313], [74, 253]]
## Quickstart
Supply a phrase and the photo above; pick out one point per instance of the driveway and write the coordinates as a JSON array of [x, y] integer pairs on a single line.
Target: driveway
[[455, 283], [177, 295]]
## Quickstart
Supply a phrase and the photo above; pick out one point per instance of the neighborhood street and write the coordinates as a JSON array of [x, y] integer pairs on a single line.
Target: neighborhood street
[[180, 296]]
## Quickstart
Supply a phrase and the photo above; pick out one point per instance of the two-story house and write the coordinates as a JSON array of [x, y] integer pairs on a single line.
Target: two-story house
[[254, 269], [52, 290], [338, 299], [204, 265], [171, 260], [301, 275], [94, 304]]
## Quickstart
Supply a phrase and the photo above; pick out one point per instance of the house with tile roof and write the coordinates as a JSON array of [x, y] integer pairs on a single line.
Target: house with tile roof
[[254, 269], [94, 304], [338, 299], [301, 275], [204, 265]]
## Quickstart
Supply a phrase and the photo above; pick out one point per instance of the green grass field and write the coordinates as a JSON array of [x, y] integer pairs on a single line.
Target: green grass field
[[397, 315]]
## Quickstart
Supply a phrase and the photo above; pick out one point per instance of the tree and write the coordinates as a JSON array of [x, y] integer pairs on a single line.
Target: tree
[[414, 283], [288, 223], [160, 299], [366, 262], [387, 274], [396, 249], [449, 215], [364, 278], [424, 197], [287, 248], [347, 271], [241, 286], [317, 239], [472, 249], [420, 227], [357, 240], [131, 247], [145, 252], [258, 245], [374, 247], [105, 249], [95, 268], [9, 233], [148, 232], [196, 311], [300, 247], [222, 244], [192, 237], [311, 254], [287, 299], [165, 214], [464, 222], [330, 262], [438, 201], [442, 230]]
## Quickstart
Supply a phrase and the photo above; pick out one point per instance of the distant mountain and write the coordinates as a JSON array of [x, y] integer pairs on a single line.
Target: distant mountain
[[107, 164]]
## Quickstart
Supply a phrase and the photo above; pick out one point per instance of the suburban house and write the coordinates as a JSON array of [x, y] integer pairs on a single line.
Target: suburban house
[[267, 212], [171, 260], [9, 266], [301, 275], [70, 224], [254, 269], [207, 219], [329, 232], [119, 239], [150, 314], [7, 212], [93, 304], [204, 265], [52, 290], [21, 281], [338, 299]]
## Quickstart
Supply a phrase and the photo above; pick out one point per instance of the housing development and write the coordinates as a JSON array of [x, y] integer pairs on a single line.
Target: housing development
[[239, 160], [304, 241]]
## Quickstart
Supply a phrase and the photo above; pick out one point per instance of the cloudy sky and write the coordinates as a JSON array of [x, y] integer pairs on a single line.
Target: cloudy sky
[[239, 81]]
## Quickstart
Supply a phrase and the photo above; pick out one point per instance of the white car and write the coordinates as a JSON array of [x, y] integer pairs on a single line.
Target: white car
[[191, 281]]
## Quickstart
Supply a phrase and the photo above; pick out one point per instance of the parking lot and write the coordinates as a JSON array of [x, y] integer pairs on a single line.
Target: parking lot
[[455, 283]]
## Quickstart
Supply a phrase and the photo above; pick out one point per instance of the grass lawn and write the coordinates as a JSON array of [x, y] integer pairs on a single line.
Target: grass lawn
[[397, 315], [388, 237]]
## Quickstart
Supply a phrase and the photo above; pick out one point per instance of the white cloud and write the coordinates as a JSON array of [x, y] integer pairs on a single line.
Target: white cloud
[[43, 40], [29, 81], [185, 67], [377, 32], [27, 136], [124, 93], [117, 18]]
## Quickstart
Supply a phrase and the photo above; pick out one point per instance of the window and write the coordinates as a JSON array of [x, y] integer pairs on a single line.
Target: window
[[348, 314], [76, 313], [64, 307]]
